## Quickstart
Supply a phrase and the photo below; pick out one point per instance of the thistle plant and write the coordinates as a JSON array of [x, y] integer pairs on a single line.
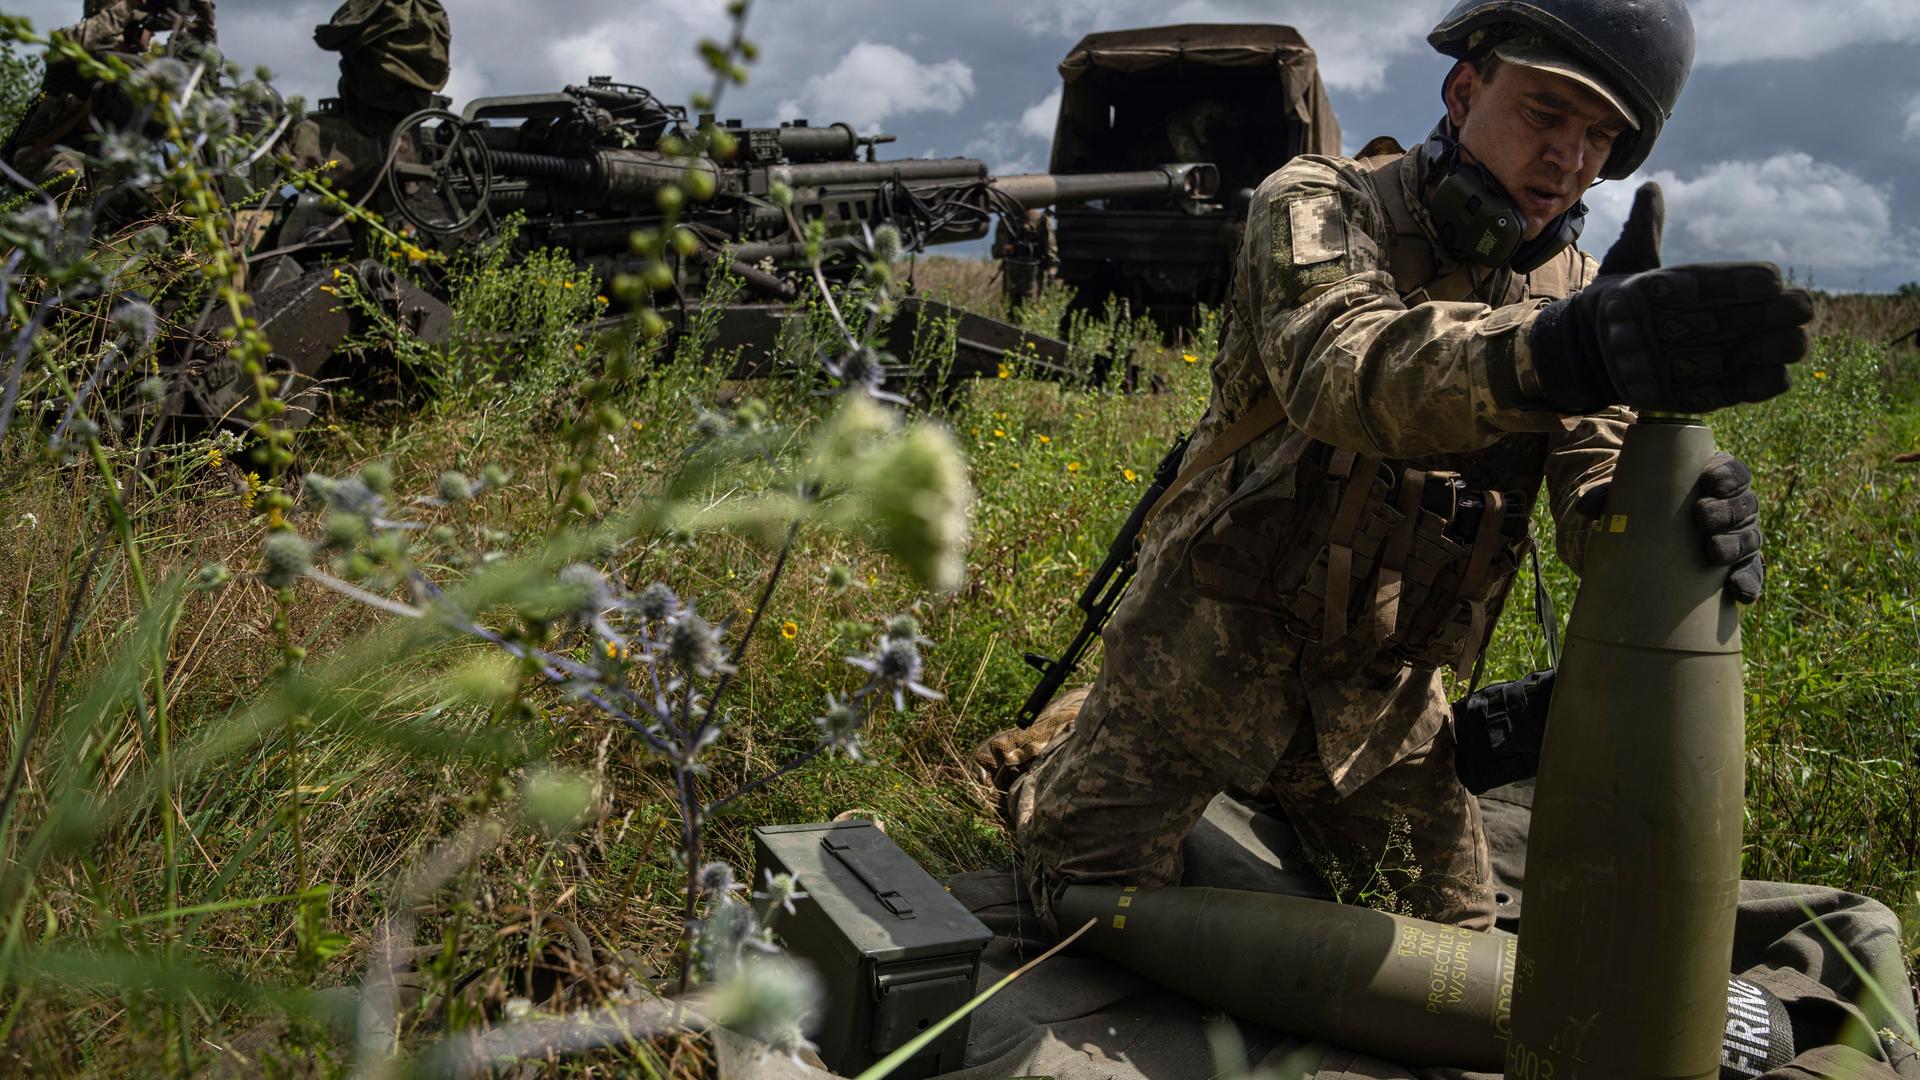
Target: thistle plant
[[649, 660]]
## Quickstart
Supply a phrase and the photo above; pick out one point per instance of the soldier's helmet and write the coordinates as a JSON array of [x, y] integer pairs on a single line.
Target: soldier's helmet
[[1635, 53]]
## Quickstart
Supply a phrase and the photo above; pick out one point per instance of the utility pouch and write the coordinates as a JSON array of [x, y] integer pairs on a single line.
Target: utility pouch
[[1307, 510], [1347, 548], [1445, 575], [1498, 731]]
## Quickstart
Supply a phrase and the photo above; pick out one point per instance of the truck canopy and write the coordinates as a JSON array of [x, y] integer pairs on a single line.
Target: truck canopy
[[1244, 96]]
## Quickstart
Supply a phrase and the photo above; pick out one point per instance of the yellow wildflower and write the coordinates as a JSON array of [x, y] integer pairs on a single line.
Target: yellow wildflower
[[254, 487], [1190, 358], [1004, 373], [999, 434], [1016, 464], [1045, 439], [1073, 466], [1130, 475], [789, 629], [612, 651], [636, 424], [214, 457], [1819, 374]]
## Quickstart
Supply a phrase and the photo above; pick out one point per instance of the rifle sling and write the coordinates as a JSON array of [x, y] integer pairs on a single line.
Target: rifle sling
[[1265, 415]]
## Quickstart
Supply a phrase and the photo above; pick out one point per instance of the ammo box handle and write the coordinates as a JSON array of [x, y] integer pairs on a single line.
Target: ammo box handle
[[855, 859]]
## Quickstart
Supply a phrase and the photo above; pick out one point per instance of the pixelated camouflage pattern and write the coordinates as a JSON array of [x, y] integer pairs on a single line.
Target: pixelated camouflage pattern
[[1197, 694], [45, 148]]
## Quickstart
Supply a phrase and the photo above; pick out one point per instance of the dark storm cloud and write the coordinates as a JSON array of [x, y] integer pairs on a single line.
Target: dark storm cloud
[[1798, 138]]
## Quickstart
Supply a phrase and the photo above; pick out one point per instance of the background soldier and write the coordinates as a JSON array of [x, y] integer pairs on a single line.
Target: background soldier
[[394, 57], [1413, 340], [50, 144], [1028, 254]]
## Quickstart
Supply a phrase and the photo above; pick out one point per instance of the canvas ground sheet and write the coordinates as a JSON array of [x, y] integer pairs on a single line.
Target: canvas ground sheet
[[1078, 1017]]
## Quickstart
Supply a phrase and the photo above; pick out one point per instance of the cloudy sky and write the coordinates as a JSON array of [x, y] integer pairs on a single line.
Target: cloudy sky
[[1798, 139]]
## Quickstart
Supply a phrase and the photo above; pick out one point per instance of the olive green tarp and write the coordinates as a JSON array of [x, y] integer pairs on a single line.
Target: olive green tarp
[[1100, 62], [1078, 1017]]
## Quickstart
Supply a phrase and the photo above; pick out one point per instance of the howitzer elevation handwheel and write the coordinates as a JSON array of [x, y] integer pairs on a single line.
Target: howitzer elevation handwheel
[[446, 190]]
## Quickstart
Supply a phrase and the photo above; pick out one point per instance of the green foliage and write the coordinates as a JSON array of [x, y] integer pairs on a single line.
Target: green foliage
[[521, 326], [20, 74], [420, 716]]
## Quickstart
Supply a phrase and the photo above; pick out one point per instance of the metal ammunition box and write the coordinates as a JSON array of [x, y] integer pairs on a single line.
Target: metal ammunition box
[[895, 953]]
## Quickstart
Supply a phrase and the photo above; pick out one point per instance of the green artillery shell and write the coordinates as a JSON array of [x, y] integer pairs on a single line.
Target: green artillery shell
[[1404, 990], [1407, 990], [1633, 860]]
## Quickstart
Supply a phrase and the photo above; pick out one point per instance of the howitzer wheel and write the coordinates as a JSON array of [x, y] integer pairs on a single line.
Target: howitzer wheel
[[447, 191]]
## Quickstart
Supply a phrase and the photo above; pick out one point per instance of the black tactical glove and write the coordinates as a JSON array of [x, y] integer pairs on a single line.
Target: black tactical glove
[[1685, 339], [1728, 513]]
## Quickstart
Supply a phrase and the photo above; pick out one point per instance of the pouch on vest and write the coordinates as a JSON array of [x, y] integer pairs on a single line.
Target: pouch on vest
[[1342, 547]]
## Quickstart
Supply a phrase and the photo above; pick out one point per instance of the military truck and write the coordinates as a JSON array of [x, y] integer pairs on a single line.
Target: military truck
[[1245, 97]]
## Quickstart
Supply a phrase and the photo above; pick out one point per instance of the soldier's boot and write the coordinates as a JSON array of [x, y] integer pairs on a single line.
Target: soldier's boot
[[1004, 758]]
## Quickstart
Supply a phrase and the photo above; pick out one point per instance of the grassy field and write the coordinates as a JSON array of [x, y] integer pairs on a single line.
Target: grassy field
[[401, 758]]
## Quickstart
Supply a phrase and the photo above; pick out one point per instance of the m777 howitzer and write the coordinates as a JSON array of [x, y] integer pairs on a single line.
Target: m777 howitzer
[[586, 169], [582, 170]]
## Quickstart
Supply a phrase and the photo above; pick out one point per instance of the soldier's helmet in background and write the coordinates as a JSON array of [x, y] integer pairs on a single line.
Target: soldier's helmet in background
[[1639, 51], [394, 54]]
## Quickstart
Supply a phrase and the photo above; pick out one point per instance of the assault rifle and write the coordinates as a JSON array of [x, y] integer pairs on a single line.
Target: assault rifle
[[1103, 593]]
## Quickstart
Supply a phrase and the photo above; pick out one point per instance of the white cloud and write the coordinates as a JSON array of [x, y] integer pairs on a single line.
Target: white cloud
[[1730, 31], [1039, 118], [1355, 39], [873, 81], [1789, 209]]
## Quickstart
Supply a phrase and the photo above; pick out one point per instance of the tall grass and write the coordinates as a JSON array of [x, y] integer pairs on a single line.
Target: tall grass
[[244, 800]]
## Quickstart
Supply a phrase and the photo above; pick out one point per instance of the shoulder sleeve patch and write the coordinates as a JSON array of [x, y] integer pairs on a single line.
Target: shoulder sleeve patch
[[1319, 229]]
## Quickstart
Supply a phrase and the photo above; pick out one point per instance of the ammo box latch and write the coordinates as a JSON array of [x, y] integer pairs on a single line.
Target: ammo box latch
[[912, 996], [857, 860]]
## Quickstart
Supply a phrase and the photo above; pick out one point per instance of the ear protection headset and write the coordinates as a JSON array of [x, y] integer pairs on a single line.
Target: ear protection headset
[[1476, 218]]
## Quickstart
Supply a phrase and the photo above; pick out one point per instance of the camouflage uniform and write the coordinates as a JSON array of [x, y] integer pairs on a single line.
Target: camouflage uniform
[[1344, 308], [48, 145], [395, 55]]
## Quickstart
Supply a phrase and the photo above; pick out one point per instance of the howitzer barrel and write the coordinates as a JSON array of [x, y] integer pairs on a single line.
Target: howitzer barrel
[[867, 172], [1032, 190], [1410, 991]]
